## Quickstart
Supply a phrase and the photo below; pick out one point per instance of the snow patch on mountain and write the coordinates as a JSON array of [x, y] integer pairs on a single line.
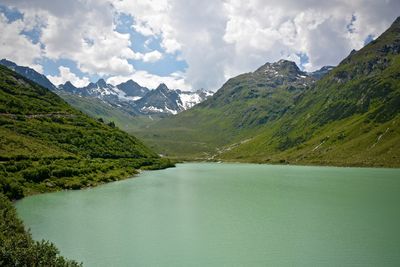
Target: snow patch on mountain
[[136, 99], [152, 109], [128, 96], [189, 99]]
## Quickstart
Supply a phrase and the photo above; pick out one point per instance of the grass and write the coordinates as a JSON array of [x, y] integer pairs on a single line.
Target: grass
[[334, 121], [47, 145], [98, 109]]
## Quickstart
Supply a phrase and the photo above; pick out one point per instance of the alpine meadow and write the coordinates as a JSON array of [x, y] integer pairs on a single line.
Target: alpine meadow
[[279, 114]]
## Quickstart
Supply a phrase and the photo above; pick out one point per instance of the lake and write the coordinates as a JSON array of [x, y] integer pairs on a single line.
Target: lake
[[210, 214]]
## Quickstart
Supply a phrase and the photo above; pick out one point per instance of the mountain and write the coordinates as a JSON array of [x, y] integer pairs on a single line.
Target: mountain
[[133, 89], [160, 100], [47, 145], [164, 100], [134, 99], [318, 74], [69, 88], [243, 104], [279, 114], [97, 108], [100, 91], [350, 117], [122, 96], [29, 73]]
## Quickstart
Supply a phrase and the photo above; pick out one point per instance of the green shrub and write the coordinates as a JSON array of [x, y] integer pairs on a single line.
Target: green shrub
[[11, 189], [65, 172], [17, 248], [36, 175]]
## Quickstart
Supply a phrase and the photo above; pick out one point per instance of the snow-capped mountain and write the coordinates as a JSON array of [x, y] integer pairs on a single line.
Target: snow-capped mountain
[[128, 96], [164, 100], [318, 74], [106, 91], [133, 89], [160, 100], [135, 99], [189, 99]]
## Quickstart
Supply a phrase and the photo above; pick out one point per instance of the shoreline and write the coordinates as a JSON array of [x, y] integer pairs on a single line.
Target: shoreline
[[302, 163]]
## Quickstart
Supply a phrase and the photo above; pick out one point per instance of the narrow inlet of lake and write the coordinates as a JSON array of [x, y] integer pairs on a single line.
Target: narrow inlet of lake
[[209, 214]]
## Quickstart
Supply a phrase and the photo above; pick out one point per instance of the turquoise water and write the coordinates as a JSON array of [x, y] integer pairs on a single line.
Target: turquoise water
[[209, 214]]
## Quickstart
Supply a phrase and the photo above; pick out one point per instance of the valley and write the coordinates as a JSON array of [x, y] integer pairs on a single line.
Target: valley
[[47, 145], [202, 133], [348, 116]]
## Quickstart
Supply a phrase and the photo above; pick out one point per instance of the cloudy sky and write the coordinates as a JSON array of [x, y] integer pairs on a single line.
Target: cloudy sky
[[187, 44]]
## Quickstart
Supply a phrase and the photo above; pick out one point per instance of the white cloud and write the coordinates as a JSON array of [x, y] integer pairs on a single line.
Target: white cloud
[[218, 39], [151, 57], [82, 31], [16, 47], [269, 30], [91, 41], [85, 35], [152, 18], [175, 80], [143, 29], [66, 75]]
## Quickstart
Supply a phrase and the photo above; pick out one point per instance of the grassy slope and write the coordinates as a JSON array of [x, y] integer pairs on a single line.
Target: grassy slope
[[348, 118], [98, 109], [47, 145], [238, 110], [351, 117], [17, 248]]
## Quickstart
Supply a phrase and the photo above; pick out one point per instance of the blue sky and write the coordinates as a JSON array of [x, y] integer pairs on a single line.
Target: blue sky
[[168, 64], [187, 44]]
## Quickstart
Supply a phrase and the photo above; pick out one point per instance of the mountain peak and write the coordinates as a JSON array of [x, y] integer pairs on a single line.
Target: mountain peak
[[318, 74], [7, 63], [284, 61], [131, 82], [163, 87], [281, 67], [68, 83], [101, 83], [29, 73], [132, 88], [326, 68], [286, 64], [68, 87]]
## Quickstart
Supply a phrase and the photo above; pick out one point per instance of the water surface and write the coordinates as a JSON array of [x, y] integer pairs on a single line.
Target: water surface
[[209, 214]]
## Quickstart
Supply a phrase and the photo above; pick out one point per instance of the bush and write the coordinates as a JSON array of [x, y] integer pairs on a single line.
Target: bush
[[36, 175], [111, 124], [16, 166], [17, 248], [65, 172], [11, 189]]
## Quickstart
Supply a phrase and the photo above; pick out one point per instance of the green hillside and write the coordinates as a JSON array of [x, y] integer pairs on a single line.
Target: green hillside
[[17, 248], [47, 145], [98, 109], [239, 109], [349, 117]]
